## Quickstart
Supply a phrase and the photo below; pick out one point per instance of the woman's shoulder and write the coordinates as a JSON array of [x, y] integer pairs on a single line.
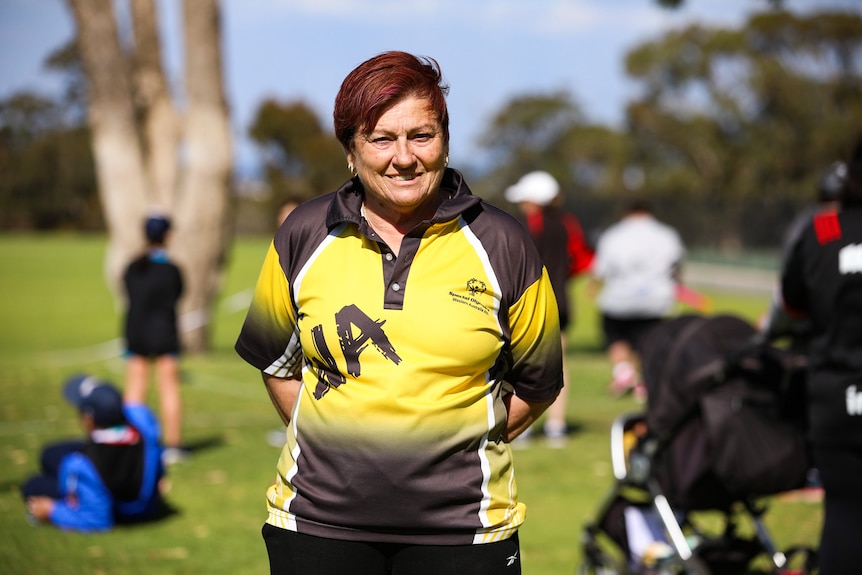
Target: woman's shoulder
[[500, 221]]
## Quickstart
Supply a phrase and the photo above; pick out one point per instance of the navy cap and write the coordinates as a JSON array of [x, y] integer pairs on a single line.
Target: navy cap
[[96, 398], [156, 227]]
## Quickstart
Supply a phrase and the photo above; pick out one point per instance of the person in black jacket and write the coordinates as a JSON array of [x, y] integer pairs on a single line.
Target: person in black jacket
[[153, 286], [821, 282]]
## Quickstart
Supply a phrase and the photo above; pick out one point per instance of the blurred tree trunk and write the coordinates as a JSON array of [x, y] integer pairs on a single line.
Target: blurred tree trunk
[[120, 171], [146, 161], [160, 121], [202, 232]]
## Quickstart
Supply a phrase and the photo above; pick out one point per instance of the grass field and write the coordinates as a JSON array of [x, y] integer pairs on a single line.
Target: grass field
[[58, 318]]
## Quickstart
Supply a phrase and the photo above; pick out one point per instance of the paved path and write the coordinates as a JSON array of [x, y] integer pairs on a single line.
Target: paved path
[[719, 276]]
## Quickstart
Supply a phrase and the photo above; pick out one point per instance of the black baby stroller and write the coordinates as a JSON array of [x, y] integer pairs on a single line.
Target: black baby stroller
[[724, 427]]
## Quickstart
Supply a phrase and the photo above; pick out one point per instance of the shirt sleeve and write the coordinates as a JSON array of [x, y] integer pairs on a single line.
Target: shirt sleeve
[[794, 292], [269, 339], [87, 505], [537, 373]]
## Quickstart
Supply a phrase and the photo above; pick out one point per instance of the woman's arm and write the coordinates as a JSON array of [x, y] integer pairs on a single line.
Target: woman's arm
[[521, 414], [283, 393]]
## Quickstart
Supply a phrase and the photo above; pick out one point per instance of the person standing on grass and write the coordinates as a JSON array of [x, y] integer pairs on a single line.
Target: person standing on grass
[[821, 283], [113, 475], [561, 244], [406, 332], [153, 287], [638, 263]]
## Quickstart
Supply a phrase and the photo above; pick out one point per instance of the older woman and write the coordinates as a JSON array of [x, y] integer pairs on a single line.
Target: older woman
[[406, 332]]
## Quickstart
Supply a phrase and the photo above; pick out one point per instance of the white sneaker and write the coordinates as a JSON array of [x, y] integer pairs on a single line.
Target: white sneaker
[[174, 455], [555, 435]]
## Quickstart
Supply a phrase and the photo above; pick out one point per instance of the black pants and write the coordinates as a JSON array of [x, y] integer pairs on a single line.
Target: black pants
[[292, 553], [45, 484], [630, 330], [841, 474]]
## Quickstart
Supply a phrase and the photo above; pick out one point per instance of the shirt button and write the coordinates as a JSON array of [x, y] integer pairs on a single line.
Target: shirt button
[[396, 287], [388, 257]]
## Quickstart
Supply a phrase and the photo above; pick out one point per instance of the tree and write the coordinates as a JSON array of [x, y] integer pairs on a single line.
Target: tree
[[674, 4], [46, 170], [523, 134], [744, 121], [301, 159], [144, 160]]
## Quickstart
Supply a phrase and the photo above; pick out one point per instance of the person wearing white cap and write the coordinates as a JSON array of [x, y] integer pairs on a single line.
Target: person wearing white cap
[[560, 242]]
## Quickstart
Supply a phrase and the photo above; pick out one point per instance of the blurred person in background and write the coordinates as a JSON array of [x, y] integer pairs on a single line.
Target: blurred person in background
[[284, 209], [830, 189], [406, 331], [113, 475], [560, 241], [154, 285], [638, 266], [821, 283]]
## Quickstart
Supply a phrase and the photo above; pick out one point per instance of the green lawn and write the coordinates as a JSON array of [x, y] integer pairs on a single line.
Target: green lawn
[[58, 318]]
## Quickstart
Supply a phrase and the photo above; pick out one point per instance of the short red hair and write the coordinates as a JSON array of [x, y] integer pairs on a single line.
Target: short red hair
[[379, 83]]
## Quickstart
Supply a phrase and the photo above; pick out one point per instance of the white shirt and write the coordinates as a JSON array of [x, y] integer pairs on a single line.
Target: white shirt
[[635, 259]]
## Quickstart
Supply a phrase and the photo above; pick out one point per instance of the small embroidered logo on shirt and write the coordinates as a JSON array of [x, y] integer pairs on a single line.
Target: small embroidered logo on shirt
[[475, 286]]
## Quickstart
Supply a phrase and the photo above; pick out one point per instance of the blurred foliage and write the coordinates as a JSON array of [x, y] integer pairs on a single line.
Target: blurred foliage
[[47, 174], [674, 4], [728, 135], [741, 123], [47, 177], [301, 160]]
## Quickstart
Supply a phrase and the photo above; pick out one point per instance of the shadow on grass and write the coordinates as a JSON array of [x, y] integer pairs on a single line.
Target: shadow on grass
[[204, 444], [163, 512]]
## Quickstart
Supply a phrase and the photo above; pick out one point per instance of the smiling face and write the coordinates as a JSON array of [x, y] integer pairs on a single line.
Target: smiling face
[[401, 161]]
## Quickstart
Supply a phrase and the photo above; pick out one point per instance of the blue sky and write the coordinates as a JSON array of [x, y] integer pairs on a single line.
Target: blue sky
[[489, 50]]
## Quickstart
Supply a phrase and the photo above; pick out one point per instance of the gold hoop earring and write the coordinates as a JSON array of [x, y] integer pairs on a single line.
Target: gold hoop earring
[[351, 169]]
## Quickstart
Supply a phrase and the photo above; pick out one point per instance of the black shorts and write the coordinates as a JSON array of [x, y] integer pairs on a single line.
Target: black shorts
[[292, 553], [629, 330]]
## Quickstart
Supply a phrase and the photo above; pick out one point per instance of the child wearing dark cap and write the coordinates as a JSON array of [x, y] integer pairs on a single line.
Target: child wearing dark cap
[[112, 475], [153, 287]]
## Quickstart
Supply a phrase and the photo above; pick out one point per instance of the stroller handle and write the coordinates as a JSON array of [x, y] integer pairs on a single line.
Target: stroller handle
[[619, 449]]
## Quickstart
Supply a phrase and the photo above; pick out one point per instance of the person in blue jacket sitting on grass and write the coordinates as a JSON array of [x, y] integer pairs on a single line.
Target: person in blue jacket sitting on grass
[[113, 476]]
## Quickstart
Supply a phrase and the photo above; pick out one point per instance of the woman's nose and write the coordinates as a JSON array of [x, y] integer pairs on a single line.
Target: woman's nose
[[403, 155]]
